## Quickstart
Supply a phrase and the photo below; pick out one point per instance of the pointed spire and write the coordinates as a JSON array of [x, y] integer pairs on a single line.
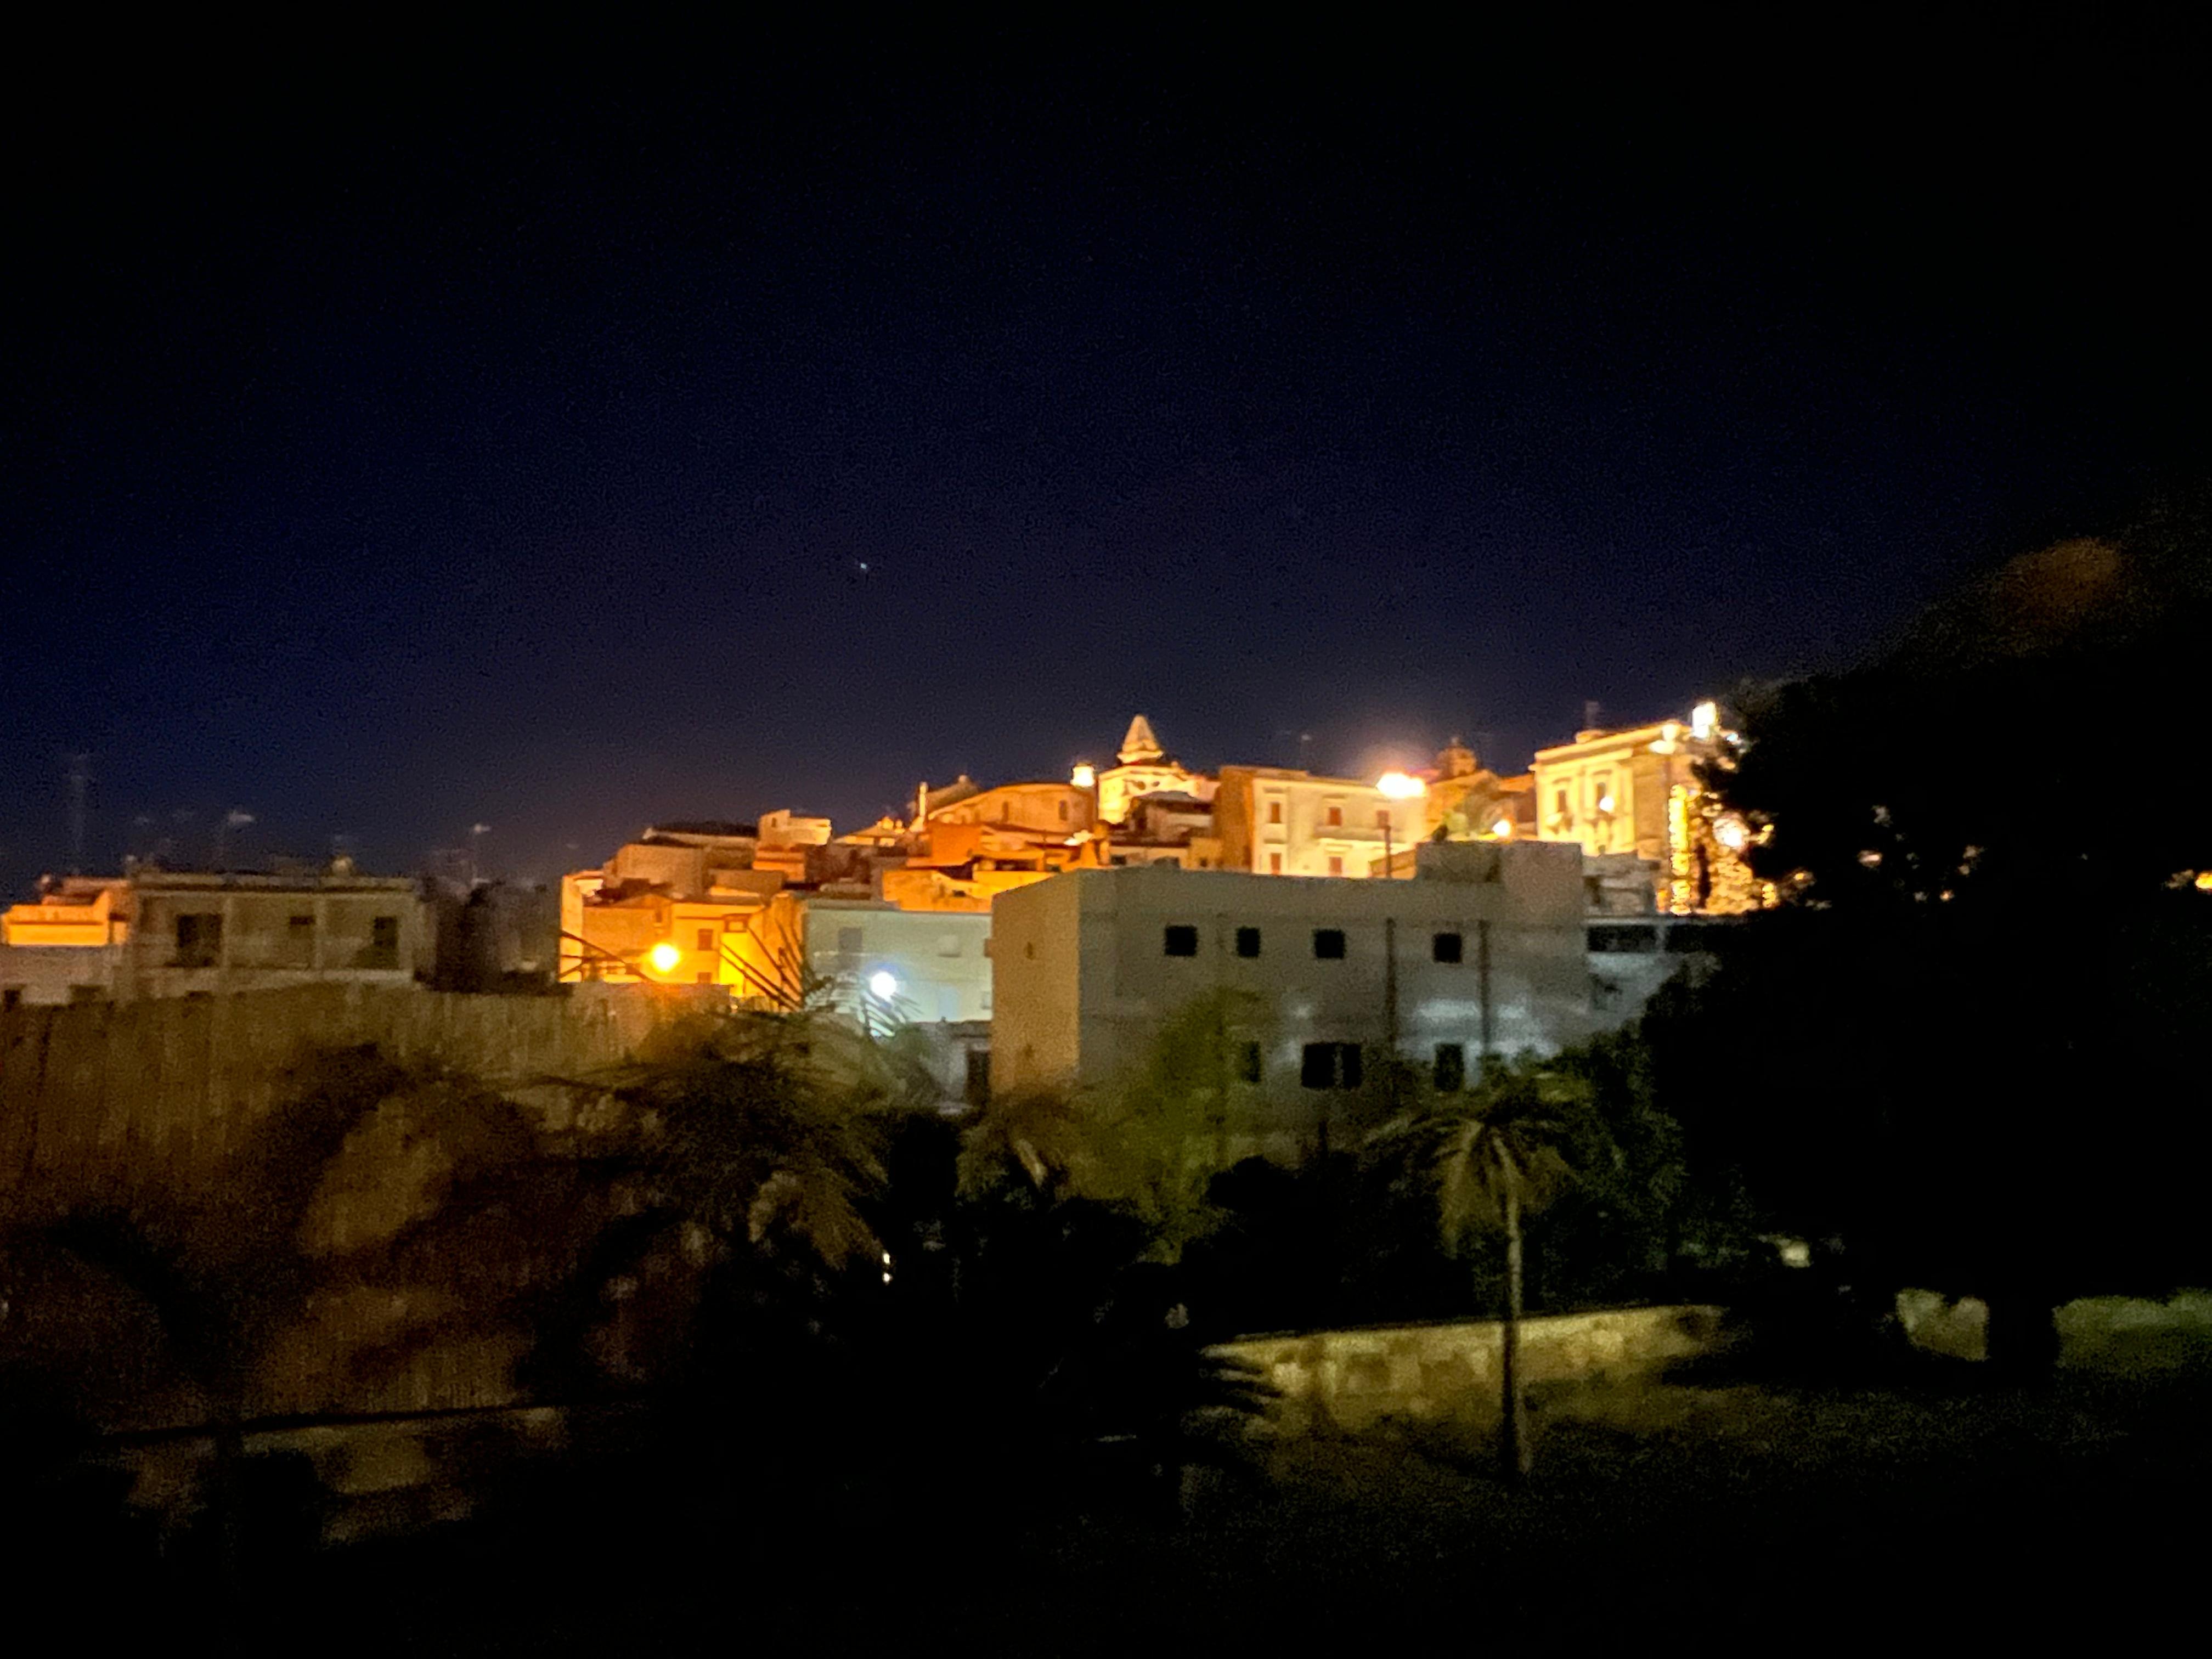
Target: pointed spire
[[1139, 747]]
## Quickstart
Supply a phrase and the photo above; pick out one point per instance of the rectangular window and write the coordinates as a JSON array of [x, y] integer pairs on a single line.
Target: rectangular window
[[1336, 866], [1329, 1065], [1335, 816], [978, 1089], [1328, 943], [199, 941], [12, 997], [1451, 1068], [1250, 1070], [851, 941], [1448, 947], [383, 942], [1318, 1066], [1274, 812], [706, 939], [299, 941], [1248, 941], [1179, 940], [1063, 811], [1274, 864], [86, 994]]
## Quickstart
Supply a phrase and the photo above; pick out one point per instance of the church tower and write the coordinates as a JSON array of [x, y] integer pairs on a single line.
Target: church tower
[[1139, 746]]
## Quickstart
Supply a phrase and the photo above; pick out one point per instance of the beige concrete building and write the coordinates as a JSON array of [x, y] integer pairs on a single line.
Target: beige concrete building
[[194, 932], [1634, 791], [1274, 820], [1318, 982]]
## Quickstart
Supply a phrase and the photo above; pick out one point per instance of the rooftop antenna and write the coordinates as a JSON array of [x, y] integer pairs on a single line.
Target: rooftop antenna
[[1590, 711], [476, 833], [80, 780]]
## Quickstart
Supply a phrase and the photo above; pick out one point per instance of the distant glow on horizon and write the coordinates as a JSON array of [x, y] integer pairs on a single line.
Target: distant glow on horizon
[[1401, 786], [664, 956]]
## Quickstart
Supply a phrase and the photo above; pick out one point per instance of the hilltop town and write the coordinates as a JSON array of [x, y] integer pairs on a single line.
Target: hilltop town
[[1540, 907]]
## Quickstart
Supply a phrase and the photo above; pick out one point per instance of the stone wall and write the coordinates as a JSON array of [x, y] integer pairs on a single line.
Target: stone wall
[[125, 1105], [1350, 1380]]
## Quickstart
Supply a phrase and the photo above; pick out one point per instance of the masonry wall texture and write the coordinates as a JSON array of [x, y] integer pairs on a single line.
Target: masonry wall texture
[[114, 1104], [1350, 1380]]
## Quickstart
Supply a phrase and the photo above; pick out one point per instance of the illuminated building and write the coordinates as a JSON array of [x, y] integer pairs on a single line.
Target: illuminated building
[[1321, 981], [1634, 791], [688, 887], [1142, 767], [1275, 821], [64, 945]]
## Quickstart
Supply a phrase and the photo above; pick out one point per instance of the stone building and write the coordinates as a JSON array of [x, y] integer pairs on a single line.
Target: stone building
[[1275, 821], [1142, 767], [1634, 790]]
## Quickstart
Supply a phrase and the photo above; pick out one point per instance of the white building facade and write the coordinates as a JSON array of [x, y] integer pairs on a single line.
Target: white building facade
[[1317, 983]]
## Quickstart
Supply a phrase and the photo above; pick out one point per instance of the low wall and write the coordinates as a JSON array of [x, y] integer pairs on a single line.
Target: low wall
[[1349, 1380]]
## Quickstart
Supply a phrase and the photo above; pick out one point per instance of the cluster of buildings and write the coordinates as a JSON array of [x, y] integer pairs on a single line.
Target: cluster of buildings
[[1042, 931]]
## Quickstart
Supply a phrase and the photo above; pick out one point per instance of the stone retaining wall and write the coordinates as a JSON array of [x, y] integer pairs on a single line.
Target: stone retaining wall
[[1349, 1380]]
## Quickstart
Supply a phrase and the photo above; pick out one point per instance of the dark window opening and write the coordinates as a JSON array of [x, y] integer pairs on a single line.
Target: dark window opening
[[1329, 1065], [199, 941], [706, 939], [383, 942], [1328, 943], [1250, 1070], [1451, 1068], [1179, 940], [977, 1091], [1448, 947], [1248, 941], [1620, 940], [12, 997], [1684, 938]]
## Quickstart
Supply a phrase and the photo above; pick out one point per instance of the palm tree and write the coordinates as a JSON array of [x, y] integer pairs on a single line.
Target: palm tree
[[1498, 1156]]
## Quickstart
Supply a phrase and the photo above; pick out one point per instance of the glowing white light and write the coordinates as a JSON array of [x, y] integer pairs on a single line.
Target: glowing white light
[[1605, 803], [884, 984], [1704, 719], [1502, 829], [664, 956], [1084, 776], [1729, 830], [1401, 786]]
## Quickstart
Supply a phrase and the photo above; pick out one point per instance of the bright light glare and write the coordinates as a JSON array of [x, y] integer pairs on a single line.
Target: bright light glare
[[1084, 776], [1502, 829], [884, 984], [1729, 832], [1605, 803], [664, 956], [1703, 719], [1401, 786]]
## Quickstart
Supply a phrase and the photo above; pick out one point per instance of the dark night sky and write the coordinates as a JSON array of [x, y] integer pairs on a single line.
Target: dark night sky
[[417, 449]]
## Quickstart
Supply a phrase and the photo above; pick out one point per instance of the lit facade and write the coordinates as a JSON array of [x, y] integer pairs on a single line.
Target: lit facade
[[1273, 820], [1142, 767], [1635, 792]]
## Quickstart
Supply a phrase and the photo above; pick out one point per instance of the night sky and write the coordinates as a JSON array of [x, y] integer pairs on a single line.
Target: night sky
[[411, 447]]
